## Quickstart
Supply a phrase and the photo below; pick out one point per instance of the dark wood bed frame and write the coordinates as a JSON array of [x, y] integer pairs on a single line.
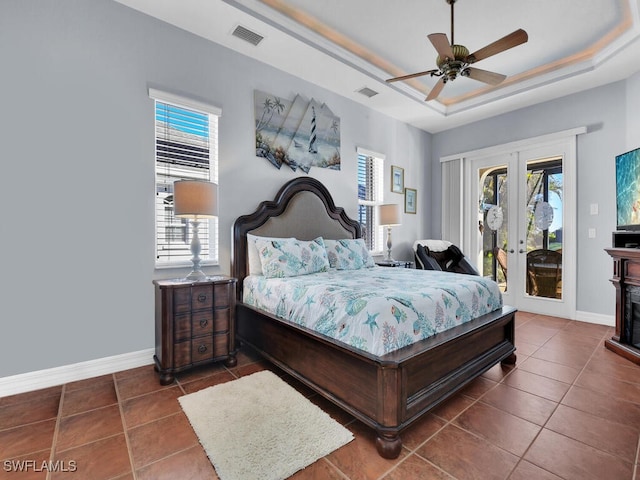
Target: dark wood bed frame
[[386, 392]]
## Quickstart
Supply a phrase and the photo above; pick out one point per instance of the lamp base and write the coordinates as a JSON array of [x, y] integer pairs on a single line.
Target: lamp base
[[389, 259], [196, 276]]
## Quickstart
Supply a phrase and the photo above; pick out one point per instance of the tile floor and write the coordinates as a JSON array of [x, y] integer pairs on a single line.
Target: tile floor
[[570, 409]]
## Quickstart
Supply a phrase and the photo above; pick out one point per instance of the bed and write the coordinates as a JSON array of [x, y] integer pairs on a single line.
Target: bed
[[387, 391]]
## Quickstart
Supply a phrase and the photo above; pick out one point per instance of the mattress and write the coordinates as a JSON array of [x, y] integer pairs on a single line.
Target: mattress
[[377, 310]]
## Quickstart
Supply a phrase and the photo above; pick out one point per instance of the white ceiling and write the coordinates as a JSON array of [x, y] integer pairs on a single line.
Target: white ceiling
[[345, 45]]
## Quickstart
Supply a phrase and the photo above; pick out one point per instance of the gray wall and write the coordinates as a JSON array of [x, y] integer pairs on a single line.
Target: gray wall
[[605, 113], [633, 115], [76, 128]]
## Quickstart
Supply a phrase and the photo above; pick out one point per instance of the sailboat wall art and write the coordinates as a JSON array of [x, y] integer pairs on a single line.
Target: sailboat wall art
[[298, 133]]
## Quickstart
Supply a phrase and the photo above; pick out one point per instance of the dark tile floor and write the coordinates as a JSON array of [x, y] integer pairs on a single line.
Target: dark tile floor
[[570, 409]]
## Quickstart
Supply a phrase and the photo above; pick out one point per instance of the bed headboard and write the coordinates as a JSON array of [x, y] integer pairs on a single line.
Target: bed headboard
[[303, 208]]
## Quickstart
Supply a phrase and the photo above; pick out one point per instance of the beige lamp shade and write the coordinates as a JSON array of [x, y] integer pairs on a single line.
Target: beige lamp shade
[[389, 214], [195, 199]]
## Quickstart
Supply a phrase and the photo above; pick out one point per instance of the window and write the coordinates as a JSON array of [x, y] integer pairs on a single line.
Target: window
[[186, 138], [370, 187]]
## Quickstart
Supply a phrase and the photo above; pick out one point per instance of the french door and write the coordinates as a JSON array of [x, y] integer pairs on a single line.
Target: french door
[[521, 203]]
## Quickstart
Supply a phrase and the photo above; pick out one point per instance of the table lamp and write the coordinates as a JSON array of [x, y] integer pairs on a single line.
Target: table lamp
[[194, 200], [389, 217]]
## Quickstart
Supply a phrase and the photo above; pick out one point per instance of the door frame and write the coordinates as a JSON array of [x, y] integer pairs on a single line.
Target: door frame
[[561, 144]]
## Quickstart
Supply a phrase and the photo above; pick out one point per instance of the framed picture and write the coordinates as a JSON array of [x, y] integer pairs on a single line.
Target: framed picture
[[410, 200], [397, 179]]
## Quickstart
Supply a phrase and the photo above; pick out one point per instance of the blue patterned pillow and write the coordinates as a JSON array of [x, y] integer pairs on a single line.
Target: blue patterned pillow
[[255, 265], [348, 254], [292, 257]]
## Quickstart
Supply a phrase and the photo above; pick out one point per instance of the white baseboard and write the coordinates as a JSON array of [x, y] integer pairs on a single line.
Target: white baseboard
[[50, 377], [599, 318]]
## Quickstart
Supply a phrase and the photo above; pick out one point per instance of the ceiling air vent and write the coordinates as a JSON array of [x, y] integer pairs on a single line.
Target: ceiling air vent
[[367, 92], [247, 35]]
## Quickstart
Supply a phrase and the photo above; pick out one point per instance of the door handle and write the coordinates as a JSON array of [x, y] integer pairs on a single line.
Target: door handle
[[512, 251], [521, 251]]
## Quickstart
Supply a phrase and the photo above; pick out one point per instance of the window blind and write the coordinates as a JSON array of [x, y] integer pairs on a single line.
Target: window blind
[[369, 197], [452, 201]]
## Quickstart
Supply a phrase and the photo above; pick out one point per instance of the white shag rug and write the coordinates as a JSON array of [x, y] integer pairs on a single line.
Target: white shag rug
[[259, 427]]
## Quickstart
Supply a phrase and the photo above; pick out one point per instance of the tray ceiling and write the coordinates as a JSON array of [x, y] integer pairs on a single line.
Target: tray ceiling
[[346, 46]]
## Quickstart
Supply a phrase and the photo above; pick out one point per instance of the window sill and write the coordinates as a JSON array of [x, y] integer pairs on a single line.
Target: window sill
[[183, 265]]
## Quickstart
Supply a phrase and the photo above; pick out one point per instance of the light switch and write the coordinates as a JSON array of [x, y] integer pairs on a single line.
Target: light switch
[[592, 233], [594, 209]]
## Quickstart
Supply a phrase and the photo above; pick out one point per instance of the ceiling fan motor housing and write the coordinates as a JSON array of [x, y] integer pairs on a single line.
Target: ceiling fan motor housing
[[452, 67]]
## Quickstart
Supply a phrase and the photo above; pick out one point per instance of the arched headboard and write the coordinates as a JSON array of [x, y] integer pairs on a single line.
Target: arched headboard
[[303, 208]]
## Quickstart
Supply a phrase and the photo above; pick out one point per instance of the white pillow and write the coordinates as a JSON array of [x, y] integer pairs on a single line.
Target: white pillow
[[348, 254], [255, 266], [291, 257]]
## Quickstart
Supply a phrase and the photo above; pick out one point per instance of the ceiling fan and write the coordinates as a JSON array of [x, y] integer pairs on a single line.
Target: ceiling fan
[[454, 60]]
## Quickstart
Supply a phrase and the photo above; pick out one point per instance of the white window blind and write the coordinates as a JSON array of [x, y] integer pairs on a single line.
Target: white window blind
[[370, 188], [186, 141], [452, 201]]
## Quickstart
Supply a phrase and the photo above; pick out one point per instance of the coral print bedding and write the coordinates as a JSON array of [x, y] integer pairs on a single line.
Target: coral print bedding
[[377, 310]]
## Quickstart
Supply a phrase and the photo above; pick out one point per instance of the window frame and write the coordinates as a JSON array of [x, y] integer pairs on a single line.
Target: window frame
[[210, 241]]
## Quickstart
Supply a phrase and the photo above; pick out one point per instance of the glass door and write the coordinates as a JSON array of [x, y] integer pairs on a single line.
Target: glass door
[[493, 223], [544, 228], [518, 205], [494, 193]]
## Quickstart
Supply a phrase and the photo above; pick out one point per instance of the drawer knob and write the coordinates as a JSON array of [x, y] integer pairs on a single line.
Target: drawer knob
[[204, 322], [202, 297], [202, 348]]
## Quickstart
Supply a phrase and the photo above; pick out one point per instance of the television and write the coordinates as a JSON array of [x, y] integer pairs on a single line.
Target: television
[[628, 190]]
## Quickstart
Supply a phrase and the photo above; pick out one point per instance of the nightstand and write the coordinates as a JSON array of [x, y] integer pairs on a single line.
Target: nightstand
[[195, 324], [395, 263]]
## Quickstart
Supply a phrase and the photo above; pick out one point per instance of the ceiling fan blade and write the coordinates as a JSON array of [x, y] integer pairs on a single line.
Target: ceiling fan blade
[[435, 91], [505, 43], [485, 76], [411, 75], [441, 44]]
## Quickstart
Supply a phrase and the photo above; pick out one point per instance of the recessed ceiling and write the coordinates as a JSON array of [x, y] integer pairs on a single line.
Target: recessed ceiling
[[348, 46]]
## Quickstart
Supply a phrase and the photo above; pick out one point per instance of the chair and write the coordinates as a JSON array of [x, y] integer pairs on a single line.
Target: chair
[[544, 273], [501, 258], [441, 255]]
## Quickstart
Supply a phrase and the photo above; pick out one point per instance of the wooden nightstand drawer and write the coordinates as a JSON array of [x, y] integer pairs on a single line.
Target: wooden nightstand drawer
[[222, 294], [202, 349], [202, 297], [195, 324], [202, 323], [182, 326], [221, 320], [181, 354], [197, 350], [181, 300], [220, 345]]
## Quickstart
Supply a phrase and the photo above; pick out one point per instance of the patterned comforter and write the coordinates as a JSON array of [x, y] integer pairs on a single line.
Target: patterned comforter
[[377, 309]]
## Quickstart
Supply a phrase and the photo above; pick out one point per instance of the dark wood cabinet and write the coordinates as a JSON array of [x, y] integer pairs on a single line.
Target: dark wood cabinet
[[626, 280], [195, 324]]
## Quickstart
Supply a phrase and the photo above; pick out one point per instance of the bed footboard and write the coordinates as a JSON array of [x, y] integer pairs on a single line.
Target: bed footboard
[[389, 392]]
